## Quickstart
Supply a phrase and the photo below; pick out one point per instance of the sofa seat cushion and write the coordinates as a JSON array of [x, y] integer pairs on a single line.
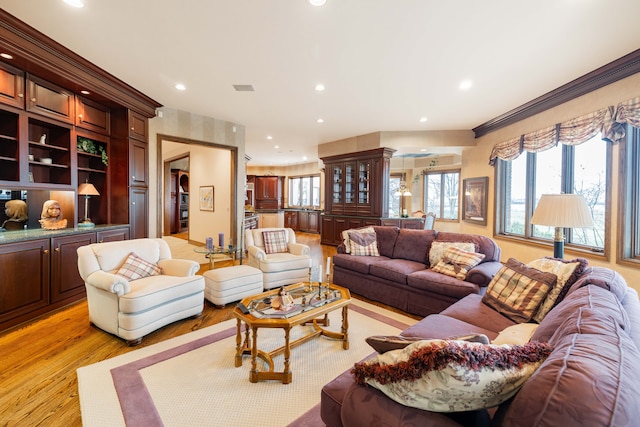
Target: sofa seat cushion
[[588, 380], [157, 290], [442, 327], [472, 310], [431, 281], [365, 406], [395, 270], [602, 301], [283, 261], [361, 264]]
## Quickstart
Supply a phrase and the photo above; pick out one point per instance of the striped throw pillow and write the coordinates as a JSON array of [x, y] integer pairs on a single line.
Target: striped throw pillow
[[275, 241], [457, 262], [516, 291], [363, 244], [135, 267]]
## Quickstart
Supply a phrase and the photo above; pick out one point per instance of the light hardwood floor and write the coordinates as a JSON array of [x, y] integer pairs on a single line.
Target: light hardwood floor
[[38, 361]]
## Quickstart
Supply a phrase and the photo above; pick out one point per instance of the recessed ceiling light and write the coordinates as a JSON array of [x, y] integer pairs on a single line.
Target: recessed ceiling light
[[304, 157], [269, 137], [75, 3], [423, 150], [6, 56], [276, 146], [180, 86], [85, 92], [465, 84], [317, 3], [423, 119], [319, 87], [321, 120]]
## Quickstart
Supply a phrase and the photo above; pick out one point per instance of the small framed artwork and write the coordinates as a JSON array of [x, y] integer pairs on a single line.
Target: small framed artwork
[[206, 198], [474, 200]]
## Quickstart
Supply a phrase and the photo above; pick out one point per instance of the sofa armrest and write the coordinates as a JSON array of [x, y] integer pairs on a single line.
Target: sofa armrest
[[109, 282], [341, 249], [179, 267], [482, 273], [299, 249], [257, 253]]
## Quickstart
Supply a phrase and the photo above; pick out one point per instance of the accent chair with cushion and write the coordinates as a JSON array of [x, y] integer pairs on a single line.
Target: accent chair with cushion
[[134, 287], [275, 252]]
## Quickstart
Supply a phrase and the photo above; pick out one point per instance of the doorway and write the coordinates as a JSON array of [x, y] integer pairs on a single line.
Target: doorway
[[176, 209]]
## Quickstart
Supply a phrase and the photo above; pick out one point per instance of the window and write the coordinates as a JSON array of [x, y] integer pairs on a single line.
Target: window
[[395, 202], [630, 197], [304, 191], [441, 194], [580, 169]]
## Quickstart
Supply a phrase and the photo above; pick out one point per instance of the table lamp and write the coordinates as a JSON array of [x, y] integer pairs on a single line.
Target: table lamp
[[87, 190], [562, 211]]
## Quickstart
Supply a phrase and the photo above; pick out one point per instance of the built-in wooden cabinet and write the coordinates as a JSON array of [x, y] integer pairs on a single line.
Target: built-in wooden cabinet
[[41, 274], [11, 86], [291, 219], [50, 100], [92, 116], [356, 191], [138, 126]]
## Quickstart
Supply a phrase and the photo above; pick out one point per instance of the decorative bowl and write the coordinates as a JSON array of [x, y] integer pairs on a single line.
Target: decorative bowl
[[46, 160]]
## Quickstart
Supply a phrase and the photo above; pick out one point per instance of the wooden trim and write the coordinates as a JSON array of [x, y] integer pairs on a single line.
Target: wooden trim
[[40, 55], [603, 76]]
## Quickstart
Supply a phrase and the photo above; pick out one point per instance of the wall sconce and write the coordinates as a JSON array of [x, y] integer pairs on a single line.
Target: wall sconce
[[87, 190], [562, 211]]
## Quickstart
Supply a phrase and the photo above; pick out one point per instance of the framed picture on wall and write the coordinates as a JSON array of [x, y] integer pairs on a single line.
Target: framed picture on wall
[[206, 198], [474, 200]]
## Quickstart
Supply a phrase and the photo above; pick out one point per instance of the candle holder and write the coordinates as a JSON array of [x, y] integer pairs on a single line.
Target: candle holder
[[326, 293], [308, 286]]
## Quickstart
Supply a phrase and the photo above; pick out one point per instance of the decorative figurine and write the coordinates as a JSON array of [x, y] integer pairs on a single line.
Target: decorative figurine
[[16, 210], [284, 301], [43, 139], [51, 217]]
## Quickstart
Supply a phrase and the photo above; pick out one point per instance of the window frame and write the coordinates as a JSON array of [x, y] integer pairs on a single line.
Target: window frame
[[500, 175], [629, 212], [300, 178], [425, 189]]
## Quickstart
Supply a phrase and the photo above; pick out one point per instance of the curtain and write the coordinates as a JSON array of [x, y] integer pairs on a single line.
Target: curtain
[[610, 122]]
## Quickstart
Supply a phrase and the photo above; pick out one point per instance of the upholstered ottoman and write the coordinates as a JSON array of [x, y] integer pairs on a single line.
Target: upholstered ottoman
[[229, 284]]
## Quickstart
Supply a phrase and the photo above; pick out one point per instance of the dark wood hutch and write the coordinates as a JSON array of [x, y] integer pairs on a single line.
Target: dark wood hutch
[[87, 125], [357, 193]]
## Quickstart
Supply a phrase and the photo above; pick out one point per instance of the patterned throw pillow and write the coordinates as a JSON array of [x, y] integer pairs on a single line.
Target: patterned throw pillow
[[437, 250], [347, 240], [517, 291], [457, 262], [567, 272], [275, 241], [363, 244], [384, 343], [135, 267], [452, 376]]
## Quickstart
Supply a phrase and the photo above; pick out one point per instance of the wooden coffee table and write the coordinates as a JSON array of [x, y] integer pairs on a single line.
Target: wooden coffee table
[[310, 307]]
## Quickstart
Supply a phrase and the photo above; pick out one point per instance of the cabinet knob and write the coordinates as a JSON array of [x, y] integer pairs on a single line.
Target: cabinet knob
[[33, 100], [133, 203], [21, 95], [132, 128], [101, 241], [57, 249], [45, 251], [133, 177]]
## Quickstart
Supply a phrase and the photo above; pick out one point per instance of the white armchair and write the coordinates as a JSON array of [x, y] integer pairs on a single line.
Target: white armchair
[[281, 268], [132, 309]]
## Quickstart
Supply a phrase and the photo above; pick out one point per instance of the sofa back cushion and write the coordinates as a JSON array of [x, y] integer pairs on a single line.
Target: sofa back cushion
[[386, 239], [590, 378], [484, 244], [413, 245], [112, 255]]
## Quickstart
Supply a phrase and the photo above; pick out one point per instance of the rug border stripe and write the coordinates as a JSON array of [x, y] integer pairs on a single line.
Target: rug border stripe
[[135, 400]]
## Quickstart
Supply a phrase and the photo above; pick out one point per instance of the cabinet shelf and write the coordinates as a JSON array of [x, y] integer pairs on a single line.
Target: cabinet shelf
[[47, 146], [48, 165], [8, 137], [90, 170], [8, 159]]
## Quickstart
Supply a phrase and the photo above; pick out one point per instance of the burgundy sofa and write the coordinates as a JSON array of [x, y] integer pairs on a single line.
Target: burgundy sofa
[[401, 277], [589, 379]]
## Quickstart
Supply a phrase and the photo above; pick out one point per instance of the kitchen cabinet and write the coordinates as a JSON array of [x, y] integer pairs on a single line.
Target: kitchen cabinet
[[268, 192], [309, 221], [291, 220]]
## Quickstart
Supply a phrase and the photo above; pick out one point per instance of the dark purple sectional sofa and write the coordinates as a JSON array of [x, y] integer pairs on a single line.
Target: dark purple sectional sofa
[[589, 379], [400, 276]]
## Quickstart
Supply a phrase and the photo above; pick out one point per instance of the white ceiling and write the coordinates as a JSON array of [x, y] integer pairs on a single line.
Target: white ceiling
[[384, 63]]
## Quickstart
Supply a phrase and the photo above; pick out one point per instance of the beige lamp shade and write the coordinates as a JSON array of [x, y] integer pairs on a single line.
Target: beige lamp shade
[[563, 210], [87, 189]]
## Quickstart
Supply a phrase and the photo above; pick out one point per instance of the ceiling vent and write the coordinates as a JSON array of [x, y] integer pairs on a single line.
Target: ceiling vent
[[243, 88]]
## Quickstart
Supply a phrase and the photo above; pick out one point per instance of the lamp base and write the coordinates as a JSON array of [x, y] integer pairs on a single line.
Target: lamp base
[[86, 224]]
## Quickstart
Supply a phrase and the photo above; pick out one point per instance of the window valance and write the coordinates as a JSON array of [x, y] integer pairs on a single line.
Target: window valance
[[610, 122]]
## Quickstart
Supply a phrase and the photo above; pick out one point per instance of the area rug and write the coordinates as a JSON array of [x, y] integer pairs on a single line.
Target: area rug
[[182, 249], [191, 380]]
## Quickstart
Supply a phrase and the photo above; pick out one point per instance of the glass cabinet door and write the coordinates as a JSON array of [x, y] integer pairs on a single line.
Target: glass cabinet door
[[364, 174], [337, 184], [349, 183]]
